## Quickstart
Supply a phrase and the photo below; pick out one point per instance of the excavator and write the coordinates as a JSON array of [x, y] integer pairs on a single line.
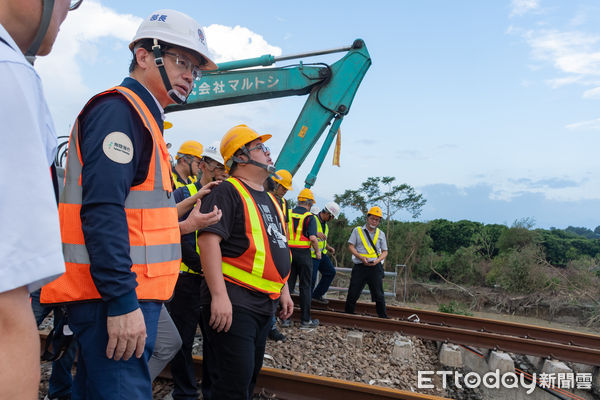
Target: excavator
[[330, 89]]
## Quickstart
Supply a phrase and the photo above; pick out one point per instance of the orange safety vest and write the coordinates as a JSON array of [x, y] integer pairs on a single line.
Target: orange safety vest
[[297, 238], [255, 268], [154, 236]]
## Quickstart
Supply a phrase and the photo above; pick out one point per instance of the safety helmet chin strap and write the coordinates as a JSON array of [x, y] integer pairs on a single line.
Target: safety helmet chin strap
[[158, 60], [269, 168], [47, 8]]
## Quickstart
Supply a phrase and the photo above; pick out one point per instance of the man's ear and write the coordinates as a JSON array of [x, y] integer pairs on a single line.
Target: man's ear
[[143, 58]]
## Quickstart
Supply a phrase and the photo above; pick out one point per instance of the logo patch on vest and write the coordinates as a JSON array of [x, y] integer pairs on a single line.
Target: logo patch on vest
[[118, 147]]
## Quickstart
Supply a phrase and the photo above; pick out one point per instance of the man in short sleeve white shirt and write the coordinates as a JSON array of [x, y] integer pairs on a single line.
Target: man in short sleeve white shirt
[[30, 250], [369, 249]]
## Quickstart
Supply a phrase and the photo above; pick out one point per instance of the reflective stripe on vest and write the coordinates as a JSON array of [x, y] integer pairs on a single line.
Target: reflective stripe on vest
[[155, 248], [297, 238], [322, 242], [255, 268], [371, 253], [192, 189], [286, 210], [176, 180], [286, 215]]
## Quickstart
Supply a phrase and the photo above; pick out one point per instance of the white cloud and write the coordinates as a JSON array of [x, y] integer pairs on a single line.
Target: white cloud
[[593, 124], [236, 43], [592, 93], [569, 52], [91, 54], [521, 7], [558, 82], [66, 85]]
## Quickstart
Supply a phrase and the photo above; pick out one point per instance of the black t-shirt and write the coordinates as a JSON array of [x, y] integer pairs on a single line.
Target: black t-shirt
[[232, 228]]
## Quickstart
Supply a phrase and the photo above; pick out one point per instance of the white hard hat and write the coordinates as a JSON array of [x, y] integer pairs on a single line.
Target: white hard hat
[[333, 208], [315, 209], [177, 29], [213, 151]]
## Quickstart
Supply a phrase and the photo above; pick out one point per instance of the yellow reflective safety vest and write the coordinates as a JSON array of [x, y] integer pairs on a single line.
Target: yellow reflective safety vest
[[322, 243], [184, 268], [255, 268], [371, 252], [297, 239], [178, 183]]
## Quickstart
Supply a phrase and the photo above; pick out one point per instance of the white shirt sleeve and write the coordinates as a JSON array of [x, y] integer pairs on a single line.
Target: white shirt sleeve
[[30, 249]]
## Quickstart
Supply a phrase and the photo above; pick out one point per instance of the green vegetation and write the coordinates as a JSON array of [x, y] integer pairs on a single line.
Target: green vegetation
[[518, 259], [454, 308]]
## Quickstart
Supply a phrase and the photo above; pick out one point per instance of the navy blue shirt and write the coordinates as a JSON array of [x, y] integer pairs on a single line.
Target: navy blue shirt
[[106, 184], [189, 255], [310, 225]]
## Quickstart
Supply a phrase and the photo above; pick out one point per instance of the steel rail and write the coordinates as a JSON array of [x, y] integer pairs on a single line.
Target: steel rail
[[289, 385], [473, 323], [466, 337]]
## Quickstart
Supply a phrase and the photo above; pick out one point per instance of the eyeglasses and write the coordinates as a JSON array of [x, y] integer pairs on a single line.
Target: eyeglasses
[[185, 64], [74, 4], [215, 166], [260, 146]]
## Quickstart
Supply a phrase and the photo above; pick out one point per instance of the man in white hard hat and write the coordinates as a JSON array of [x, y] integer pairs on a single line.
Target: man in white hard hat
[[185, 307], [28, 257], [324, 265], [120, 233]]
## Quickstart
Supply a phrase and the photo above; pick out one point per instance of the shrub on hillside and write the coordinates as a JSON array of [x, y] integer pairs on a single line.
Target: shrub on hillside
[[519, 270]]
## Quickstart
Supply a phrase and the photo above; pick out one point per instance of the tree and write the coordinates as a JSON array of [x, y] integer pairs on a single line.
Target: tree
[[382, 192]]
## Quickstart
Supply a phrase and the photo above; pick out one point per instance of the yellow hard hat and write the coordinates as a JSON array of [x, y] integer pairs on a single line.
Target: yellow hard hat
[[192, 148], [306, 194], [235, 138], [376, 211], [286, 179]]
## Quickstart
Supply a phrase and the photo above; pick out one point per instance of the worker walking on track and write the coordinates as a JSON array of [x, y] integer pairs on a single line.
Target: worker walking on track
[[324, 265], [369, 249], [118, 218], [187, 167], [246, 262], [30, 254], [185, 306], [303, 236]]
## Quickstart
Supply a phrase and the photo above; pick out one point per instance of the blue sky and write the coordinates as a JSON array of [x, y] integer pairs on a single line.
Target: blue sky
[[488, 108]]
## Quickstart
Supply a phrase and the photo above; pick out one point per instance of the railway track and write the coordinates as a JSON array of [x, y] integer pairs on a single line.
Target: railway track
[[470, 331], [288, 385]]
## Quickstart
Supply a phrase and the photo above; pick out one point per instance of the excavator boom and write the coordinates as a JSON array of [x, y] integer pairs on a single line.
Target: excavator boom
[[330, 88]]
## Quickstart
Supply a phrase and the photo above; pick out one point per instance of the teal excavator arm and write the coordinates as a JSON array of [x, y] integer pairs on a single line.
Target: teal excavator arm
[[331, 89]]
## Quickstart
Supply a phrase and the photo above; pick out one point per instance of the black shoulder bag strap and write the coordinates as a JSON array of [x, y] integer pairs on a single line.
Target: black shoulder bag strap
[[371, 241]]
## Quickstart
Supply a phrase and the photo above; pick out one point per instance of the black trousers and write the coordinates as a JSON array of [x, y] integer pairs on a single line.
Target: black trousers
[[302, 266], [233, 359], [186, 313], [362, 275]]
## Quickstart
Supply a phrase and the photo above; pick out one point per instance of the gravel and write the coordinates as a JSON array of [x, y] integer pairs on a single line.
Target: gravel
[[326, 351]]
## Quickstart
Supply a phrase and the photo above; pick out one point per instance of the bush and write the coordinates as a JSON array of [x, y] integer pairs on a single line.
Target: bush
[[454, 308], [519, 270]]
